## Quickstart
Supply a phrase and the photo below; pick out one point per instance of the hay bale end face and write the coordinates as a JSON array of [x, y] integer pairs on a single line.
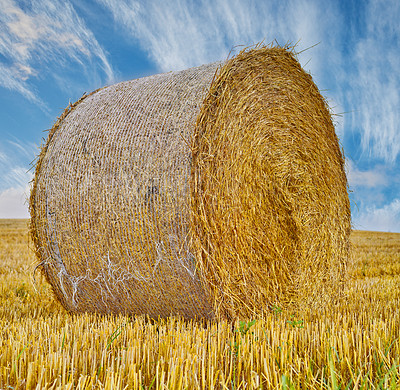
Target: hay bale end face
[[215, 191]]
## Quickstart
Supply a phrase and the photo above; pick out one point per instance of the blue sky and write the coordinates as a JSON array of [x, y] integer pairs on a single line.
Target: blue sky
[[52, 51]]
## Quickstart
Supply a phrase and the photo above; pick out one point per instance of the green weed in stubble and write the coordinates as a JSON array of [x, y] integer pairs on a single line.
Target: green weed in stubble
[[295, 323], [276, 310], [114, 335], [381, 364], [286, 384], [117, 332], [150, 386], [244, 327], [242, 330], [386, 374], [334, 382], [22, 292], [63, 342], [19, 355]]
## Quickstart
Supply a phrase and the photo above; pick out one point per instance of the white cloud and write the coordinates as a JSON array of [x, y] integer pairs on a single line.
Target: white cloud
[[375, 82], [371, 178], [183, 33], [13, 203], [15, 157], [26, 149], [18, 176], [47, 32], [12, 78], [386, 218], [15, 178]]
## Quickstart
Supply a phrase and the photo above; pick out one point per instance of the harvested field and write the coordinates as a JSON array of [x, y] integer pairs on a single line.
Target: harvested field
[[354, 344]]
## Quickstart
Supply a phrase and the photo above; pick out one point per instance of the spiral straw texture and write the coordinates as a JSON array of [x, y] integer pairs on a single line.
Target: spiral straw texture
[[214, 191]]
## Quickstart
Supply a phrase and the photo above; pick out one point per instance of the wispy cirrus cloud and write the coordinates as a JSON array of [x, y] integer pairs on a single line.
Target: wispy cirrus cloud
[[15, 159], [182, 33], [43, 34], [11, 77], [179, 34], [374, 94]]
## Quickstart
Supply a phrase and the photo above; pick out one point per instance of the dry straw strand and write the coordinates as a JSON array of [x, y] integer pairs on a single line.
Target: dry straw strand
[[215, 191]]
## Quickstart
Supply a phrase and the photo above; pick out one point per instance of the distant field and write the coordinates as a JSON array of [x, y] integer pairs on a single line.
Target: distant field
[[353, 344]]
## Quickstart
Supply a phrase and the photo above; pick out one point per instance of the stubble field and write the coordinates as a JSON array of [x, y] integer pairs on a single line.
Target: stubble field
[[352, 344]]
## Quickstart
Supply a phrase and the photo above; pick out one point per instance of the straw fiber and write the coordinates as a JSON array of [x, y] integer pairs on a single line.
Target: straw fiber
[[214, 191]]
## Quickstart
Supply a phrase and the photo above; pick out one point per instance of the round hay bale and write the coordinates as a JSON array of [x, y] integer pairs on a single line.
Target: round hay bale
[[215, 191]]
